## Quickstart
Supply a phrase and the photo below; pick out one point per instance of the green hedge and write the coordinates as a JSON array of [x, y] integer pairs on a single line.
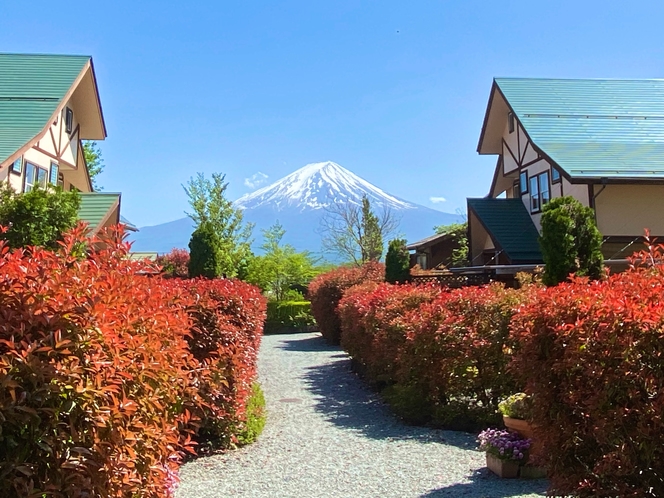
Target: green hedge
[[284, 315]]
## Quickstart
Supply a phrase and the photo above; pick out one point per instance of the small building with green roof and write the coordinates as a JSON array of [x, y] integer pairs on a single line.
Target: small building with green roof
[[598, 140], [49, 104]]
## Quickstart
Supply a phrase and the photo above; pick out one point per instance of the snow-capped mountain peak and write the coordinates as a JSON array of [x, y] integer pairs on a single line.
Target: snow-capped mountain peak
[[318, 185]]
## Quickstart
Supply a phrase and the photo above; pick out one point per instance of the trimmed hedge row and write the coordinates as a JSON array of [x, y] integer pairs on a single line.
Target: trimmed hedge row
[[592, 358], [288, 315], [326, 290], [440, 356], [589, 353], [106, 375]]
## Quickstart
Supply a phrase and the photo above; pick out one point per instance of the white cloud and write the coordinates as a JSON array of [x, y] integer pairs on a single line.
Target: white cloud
[[437, 200], [255, 180]]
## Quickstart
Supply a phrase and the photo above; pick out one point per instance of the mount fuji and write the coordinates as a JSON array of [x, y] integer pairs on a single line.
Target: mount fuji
[[299, 201]]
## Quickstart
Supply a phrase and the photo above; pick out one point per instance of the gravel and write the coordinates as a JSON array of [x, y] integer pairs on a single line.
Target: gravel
[[328, 435]]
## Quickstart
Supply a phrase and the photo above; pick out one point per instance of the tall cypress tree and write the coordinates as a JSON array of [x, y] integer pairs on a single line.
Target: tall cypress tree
[[397, 262], [570, 241], [372, 238], [205, 252]]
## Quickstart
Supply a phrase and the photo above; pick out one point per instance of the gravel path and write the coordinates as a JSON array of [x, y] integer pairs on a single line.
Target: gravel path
[[327, 435]]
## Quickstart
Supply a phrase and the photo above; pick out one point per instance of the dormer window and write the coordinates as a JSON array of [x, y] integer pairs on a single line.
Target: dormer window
[[69, 120], [510, 122]]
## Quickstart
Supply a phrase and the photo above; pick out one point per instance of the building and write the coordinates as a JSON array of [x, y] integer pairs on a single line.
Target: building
[[600, 141], [49, 104]]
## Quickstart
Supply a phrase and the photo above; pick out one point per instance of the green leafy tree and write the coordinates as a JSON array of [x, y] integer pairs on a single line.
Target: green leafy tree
[[281, 266], [94, 161], [210, 206], [397, 262], [38, 217], [372, 243], [458, 235], [570, 241], [205, 253], [356, 232]]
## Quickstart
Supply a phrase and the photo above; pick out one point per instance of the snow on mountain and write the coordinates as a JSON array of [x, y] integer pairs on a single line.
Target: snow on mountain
[[297, 201], [316, 186]]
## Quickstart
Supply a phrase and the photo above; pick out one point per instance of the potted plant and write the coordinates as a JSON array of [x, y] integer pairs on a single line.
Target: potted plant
[[505, 451], [516, 411]]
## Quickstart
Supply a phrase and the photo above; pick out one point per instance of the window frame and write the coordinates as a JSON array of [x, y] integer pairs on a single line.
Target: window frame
[[29, 183], [69, 120], [523, 186], [510, 122], [54, 168], [537, 200], [13, 168], [559, 176]]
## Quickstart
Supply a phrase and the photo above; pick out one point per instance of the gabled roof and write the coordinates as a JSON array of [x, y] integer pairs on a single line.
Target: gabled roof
[[428, 241], [591, 129], [32, 88], [510, 227], [99, 208]]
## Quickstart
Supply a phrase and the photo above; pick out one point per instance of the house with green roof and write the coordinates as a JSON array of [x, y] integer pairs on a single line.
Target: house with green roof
[[49, 104], [600, 141]]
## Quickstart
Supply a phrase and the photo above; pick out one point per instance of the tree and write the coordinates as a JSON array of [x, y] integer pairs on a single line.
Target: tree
[[210, 206], [355, 232], [397, 262], [204, 253], [458, 233], [38, 217], [570, 241], [94, 162], [280, 267]]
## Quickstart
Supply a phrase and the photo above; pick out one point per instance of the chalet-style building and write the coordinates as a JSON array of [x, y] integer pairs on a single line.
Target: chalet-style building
[[600, 141], [48, 105]]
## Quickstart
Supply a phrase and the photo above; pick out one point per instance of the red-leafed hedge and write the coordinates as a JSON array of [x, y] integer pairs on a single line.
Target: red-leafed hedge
[[326, 290], [592, 356], [441, 354], [102, 378], [174, 264], [228, 317]]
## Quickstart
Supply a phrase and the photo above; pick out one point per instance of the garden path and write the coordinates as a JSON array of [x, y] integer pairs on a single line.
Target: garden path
[[327, 435]]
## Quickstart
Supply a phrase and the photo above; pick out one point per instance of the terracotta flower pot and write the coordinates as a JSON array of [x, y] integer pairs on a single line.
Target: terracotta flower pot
[[525, 429], [508, 469]]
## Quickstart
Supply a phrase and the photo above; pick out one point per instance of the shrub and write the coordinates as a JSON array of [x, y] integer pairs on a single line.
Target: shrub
[[175, 264], [255, 416], [204, 253], [228, 317], [39, 217], [591, 357], [326, 290], [444, 352], [105, 374], [397, 262], [517, 406], [93, 375], [288, 315], [570, 241]]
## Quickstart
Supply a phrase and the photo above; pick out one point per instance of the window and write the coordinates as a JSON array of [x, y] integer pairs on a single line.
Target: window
[[61, 180], [540, 192], [516, 189], [69, 120], [523, 182], [555, 175], [17, 166], [510, 122], [34, 175], [53, 176], [534, 195]]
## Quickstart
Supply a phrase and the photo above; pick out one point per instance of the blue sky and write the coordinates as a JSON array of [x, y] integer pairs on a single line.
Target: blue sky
[[395, 91]]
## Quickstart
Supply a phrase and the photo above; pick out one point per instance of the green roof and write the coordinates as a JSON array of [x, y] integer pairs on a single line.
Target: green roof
[[95, 207], [593, 128], [31, 88], [512, 230]]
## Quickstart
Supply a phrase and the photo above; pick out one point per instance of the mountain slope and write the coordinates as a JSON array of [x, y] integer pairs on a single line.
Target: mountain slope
[[298, 202]]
